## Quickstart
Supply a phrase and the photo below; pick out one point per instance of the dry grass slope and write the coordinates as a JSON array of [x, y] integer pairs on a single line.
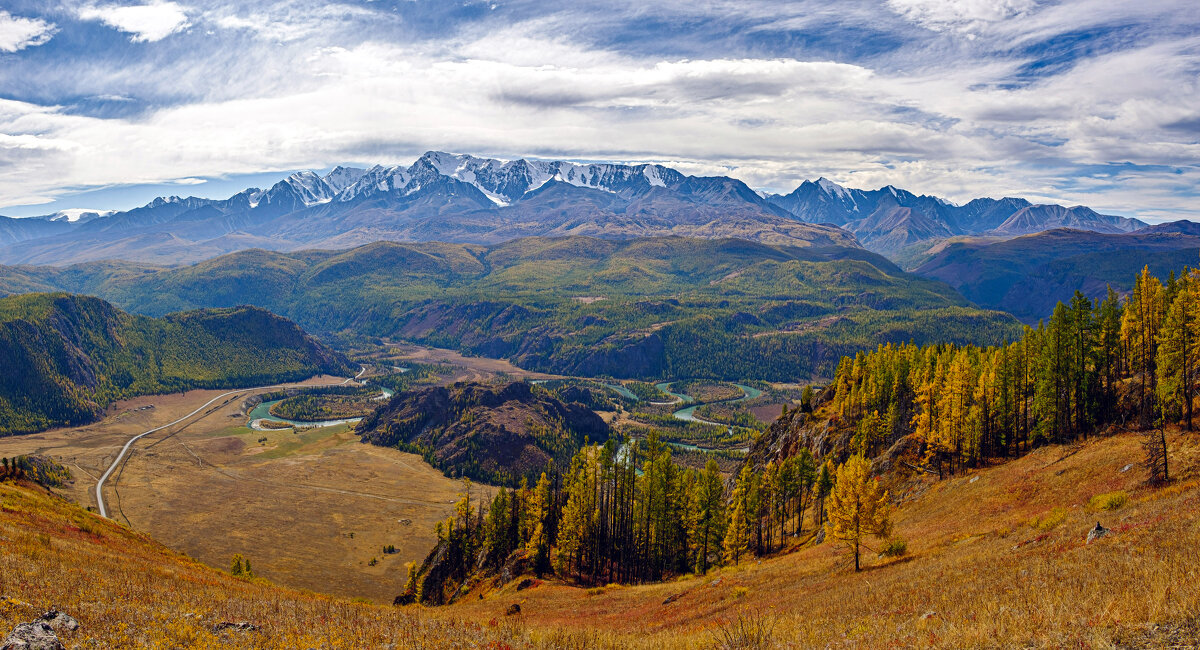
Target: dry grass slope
[[978, 574], [130, 592], [997, 558]]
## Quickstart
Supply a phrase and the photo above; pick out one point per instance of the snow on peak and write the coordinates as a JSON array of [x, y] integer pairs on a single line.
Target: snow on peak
[[653, 174], [342, 177], [831, 187]]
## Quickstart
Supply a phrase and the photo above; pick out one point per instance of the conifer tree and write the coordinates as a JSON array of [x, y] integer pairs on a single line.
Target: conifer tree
[[737, 534], [857, 506]]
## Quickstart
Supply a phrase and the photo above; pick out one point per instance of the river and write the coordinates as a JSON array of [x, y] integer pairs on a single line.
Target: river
[[263, 412]]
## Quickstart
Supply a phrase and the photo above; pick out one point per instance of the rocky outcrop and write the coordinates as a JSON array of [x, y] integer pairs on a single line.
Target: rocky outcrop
[[37, 635], [1097, 532]]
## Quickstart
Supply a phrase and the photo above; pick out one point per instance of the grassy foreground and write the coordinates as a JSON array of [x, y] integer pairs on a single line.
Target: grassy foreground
[[997, 558]]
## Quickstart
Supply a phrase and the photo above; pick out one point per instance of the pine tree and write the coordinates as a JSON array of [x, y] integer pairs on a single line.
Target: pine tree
[[737, 533], [825, 480], [537, 524], [1179, 347], [1139, 331], [857, 506]]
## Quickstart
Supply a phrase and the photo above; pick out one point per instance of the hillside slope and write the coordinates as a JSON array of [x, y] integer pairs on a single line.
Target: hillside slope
[[66, 357], [1028, 275], [997, 557], [642, 308], [128, 591], [492, 434]]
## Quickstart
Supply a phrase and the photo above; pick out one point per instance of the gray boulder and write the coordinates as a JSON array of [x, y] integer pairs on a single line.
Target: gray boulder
[[59, 621], [37, 635], [1098, 532]]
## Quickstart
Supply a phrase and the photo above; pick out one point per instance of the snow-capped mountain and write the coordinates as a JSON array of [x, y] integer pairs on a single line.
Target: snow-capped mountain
[[463, 198]]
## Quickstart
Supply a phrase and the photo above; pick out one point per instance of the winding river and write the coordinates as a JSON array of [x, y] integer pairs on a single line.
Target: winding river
[[263, 412], [687, 414]]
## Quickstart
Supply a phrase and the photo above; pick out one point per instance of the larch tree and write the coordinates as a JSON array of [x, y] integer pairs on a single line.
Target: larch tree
[[1179, 347], [857, 507]]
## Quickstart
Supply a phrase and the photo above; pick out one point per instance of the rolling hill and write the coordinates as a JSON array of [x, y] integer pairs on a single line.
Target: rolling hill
[[642, 308], [66, 357], [1026, 276], [493, 434]]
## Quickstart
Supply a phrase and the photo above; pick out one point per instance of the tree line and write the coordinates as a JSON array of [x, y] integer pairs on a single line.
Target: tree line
[[1113, 361], [610, 519]]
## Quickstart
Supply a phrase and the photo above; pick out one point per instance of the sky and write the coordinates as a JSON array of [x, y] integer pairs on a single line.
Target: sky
[[105, 105]]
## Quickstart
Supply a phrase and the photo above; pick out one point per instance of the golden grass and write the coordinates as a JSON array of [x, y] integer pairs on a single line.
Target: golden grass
[[975, 576], [129, 592]]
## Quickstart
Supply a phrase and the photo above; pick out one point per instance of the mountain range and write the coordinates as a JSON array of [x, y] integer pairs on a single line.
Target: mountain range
[[465, 199], [889, 219]]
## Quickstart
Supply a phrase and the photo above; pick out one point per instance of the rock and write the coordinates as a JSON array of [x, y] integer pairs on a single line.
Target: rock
[[513, 610], [59, 621], [672, 598], [1098, 532], [37, 635], [1127, 468], [240, 627], [715, 582], [973, 479], [820, 538]]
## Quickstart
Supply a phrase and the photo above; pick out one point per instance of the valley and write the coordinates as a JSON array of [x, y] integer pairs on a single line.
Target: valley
[[263, 491], [599, 325]]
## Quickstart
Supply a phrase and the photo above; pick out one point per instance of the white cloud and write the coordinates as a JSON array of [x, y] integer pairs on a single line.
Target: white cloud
[[292, 20], [305, 96], [146, 23], [17, 33], [958, 15]]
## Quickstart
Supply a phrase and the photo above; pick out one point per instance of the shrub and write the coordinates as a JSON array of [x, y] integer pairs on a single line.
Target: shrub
[[1050, 519], [1108, 501], [895, 547], [739, 592], [240, 567], [749, 630]]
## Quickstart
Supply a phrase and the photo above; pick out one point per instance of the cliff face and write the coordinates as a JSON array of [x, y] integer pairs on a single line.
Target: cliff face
[[495, 434], [828, 438]]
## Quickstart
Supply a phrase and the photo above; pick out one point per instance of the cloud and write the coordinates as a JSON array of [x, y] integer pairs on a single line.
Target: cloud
[[146, 23], [958, 15], [292, 20], [288, 84], [17, 33]]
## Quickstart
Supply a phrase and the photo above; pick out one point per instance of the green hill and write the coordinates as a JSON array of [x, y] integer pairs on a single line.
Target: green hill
[[642, 308], [65, 357]]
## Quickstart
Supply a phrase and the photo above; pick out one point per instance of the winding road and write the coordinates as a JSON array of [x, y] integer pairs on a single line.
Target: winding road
[[129, 444]]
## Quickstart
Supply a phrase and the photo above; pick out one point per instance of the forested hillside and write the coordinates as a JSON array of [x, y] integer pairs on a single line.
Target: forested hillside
[[633, 515], [497, 434], [1135, 361], [1027, 276], [66, 357], [649, 308]]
